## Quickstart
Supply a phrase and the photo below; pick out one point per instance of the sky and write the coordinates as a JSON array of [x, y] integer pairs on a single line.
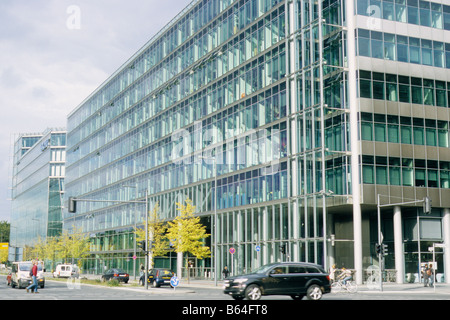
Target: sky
[[55, 53]]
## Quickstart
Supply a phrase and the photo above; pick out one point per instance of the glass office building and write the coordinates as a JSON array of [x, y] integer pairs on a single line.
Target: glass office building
[[283, 121], [37, 189]]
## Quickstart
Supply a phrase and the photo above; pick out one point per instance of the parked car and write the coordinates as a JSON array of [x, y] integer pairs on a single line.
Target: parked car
[[66, 271], [116, 274], [20, 274], [295, 279], [160, 277]]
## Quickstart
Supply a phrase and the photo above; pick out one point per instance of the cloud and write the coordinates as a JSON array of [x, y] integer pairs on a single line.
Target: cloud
[[48, 69]]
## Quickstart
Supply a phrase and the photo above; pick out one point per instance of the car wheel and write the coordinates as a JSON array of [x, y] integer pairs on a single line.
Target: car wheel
[[155, 284], [314, 292], [253, 292]]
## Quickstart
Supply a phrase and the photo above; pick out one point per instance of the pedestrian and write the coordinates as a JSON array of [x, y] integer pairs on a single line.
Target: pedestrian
[[430, 274], [225, 272], [33, 273], [333, 273], [142, 274], [426, 277]]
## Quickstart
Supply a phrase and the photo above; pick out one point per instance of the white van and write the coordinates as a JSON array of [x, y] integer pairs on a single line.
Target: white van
[[66, 271], [20, 274]]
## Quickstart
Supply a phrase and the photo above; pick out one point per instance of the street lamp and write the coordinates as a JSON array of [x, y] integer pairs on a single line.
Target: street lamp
[[215, 215]]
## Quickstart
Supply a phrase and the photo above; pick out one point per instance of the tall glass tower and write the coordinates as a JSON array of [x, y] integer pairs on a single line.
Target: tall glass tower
[[283, 121], [37, 189]]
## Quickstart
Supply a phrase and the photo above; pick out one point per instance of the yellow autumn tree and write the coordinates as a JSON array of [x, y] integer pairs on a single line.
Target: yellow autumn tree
[[187, 234], [156, 235]]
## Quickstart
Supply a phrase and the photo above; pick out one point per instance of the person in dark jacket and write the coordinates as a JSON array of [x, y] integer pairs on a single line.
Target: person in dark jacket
[[33, 274], [225, 272]]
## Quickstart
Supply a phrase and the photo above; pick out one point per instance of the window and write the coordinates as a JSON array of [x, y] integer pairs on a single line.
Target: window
[[393, 127], [402, 49], [443, 133], [407, 172], [436, 15], [425, 13], [296, 269], [400, 10], [377, 44], [394, 171], [413, 12], [414, 50], [368, 174], [378, 86], [366, 126]]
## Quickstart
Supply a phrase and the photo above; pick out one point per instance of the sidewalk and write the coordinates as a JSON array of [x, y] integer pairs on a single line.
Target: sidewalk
[[390, 287], [190, 286]]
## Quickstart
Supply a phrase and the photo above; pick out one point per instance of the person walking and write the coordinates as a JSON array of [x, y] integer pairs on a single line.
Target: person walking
[[333, 273], [225, 272], [426, 276], [33, 274], [430, 274]]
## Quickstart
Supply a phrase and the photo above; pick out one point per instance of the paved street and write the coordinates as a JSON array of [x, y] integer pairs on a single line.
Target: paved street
[[205, 290]]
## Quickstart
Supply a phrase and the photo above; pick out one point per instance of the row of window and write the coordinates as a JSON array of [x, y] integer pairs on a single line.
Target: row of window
[[154, 73], [256, 148], [424, 13], [407, 130], [406, 172], [260, 110], [250, 78], [404, 49], [392, 87], [251, 187]]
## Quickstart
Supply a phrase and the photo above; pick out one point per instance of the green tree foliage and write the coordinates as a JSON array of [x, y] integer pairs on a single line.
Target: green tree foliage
[[186, 232], [156, 234]]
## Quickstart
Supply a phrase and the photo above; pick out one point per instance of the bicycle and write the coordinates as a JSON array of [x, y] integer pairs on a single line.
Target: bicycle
[[339, 285]]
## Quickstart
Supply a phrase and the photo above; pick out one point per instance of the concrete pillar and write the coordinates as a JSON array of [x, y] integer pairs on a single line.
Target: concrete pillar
[[398, 245], [446, 229], [354, 142]]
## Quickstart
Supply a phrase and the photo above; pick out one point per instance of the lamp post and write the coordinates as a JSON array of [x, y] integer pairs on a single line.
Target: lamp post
[[215, 216]]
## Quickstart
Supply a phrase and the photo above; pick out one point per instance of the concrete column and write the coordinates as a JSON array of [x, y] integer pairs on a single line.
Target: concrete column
[[354, 108], [446, 229], [398, 245]]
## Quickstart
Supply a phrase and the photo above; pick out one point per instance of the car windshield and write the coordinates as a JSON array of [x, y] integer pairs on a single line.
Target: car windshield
[[165, 272], [263, 269], [27, 267], [118, 271]]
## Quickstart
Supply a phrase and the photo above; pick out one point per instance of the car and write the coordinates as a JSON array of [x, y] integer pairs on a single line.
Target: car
[[66, 271], [116, 274], [295, 279], [20, 274], [160, 277]]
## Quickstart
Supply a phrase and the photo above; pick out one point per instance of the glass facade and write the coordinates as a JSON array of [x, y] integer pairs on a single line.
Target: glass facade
[[251, 99], [37, 189]]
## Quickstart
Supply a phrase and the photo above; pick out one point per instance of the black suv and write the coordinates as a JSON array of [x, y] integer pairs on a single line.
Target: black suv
[[295, 279]]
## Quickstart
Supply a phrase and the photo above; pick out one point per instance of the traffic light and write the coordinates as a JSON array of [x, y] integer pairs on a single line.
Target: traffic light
[[384, 249], [72, 205], [141, 245], [427, 205], [378, 249]]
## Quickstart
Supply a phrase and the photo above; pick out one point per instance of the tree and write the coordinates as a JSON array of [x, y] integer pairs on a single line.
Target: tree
[[187, 234], [156, 235], [4, 231]]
